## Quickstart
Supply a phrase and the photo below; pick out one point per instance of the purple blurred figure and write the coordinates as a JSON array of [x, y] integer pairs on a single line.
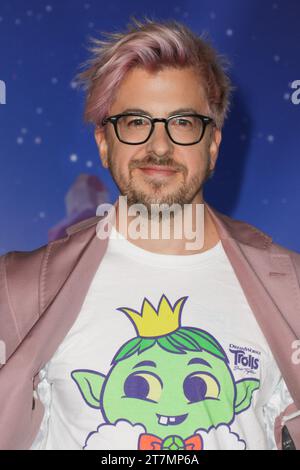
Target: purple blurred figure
[[81, 202]]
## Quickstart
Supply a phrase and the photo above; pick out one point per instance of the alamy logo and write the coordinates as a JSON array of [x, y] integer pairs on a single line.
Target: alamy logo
[[2, 353], [163, 220], [296, 353], [244, 358], [2, 92], [296, 94]]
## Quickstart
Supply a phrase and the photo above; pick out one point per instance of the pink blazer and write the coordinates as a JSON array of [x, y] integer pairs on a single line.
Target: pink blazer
[[42, 291]]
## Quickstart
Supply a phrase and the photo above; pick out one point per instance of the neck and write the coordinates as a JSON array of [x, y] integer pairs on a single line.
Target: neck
[[196, 235]]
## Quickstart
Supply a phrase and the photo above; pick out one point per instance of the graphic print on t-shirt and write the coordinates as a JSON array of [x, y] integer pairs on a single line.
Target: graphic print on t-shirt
[[170, 387]]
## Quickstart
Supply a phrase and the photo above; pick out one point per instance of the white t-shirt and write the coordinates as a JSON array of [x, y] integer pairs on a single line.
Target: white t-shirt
[[165, 353]]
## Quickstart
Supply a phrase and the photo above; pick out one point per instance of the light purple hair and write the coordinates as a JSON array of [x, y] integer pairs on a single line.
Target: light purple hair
[[152, 45]]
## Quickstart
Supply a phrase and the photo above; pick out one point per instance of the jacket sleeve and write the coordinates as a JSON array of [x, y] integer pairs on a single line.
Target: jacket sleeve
[[9, 332], [19, 295], [281, 410], [279, 405], [19, 310]]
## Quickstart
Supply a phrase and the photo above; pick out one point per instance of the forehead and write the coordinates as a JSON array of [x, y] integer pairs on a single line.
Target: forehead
[[160, 92]]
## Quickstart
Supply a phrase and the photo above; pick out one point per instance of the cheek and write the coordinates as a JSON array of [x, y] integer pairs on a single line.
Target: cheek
[[119, 161], [190, 154], [195, 164], [124, 164], [124, 159]]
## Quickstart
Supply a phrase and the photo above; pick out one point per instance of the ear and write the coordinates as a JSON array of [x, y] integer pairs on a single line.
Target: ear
[[244, 392], [90, 385], [215, 141], [101, 141]]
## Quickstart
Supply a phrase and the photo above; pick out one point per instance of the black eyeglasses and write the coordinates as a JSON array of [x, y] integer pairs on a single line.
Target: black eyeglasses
[[182, 129]]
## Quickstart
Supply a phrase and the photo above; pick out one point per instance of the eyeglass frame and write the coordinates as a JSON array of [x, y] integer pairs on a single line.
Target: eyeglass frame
[[206, 120]]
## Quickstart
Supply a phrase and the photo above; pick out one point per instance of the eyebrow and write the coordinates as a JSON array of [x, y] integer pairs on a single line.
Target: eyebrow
[[145, 363], [197, 360], [176, 111]]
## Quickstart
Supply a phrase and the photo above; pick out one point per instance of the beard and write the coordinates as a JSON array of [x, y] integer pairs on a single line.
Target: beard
[[155, 194]]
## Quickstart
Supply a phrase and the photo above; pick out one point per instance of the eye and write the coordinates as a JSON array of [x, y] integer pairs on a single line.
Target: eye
[[180, 122], [143, 386], [138, 122], [200, 386]]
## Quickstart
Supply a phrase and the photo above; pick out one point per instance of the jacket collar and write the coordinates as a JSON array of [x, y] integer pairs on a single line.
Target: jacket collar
[[238, 230]]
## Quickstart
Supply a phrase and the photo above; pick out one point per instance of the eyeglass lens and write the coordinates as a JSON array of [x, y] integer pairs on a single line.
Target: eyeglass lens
[[183, 129]]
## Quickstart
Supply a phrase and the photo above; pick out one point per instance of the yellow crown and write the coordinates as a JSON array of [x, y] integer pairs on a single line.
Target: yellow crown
[[160, 322]]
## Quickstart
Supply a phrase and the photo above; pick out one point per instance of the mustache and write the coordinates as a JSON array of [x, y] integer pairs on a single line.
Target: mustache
[[157, 162]]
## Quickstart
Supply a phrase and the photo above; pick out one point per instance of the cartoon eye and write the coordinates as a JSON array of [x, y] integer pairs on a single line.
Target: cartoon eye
[[144, 386], [199, 386]]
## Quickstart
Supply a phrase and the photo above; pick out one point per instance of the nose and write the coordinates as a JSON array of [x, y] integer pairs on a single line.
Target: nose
[[159, 142]]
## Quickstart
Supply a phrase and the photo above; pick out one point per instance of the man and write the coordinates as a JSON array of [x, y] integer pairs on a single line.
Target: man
[[149, 343]]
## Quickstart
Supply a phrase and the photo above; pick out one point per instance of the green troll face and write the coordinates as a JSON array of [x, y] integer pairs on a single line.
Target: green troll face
[[172, 379]]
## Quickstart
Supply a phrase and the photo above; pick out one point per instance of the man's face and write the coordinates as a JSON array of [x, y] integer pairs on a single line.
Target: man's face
[[159, 94]]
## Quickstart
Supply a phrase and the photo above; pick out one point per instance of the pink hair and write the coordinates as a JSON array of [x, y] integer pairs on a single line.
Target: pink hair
[[152, 45]]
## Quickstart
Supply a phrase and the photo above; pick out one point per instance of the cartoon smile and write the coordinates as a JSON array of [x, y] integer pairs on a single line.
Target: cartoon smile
[[170, 420]]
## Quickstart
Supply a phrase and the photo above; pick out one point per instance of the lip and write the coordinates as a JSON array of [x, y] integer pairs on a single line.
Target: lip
[[158, 170]]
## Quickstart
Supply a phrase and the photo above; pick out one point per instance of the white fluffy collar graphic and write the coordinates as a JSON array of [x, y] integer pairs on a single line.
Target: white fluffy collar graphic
[[125, 436]]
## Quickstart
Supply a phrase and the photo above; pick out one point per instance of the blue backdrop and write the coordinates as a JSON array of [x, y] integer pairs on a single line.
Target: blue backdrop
[[45, 145]]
